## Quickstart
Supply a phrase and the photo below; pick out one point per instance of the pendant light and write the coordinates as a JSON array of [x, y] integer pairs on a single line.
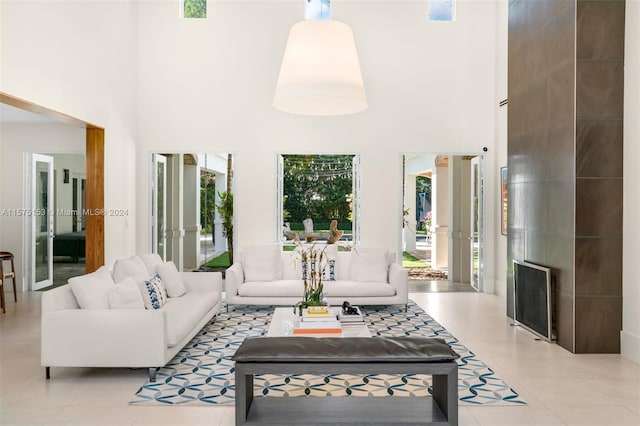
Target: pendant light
[[320, 72]]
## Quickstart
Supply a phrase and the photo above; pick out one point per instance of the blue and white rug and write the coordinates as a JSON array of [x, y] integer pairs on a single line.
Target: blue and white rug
[[203, 372]]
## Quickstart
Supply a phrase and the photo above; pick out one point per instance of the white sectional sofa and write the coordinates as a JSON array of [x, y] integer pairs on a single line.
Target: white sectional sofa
[[269, 276], [97, 320]]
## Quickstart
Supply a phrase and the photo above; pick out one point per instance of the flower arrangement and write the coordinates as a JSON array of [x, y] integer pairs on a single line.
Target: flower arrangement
[[314, 262], [427, 221]]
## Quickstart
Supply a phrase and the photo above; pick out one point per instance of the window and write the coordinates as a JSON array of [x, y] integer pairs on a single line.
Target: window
[[317, 9], [194, 8], [442, 10], [319, 187]]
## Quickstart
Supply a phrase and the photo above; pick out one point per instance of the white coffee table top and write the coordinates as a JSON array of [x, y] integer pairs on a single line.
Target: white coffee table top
[[284, 320]]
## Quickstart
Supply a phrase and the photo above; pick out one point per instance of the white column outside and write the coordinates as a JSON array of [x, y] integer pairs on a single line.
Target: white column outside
[[175, 228], [191, 210], [439, 218]]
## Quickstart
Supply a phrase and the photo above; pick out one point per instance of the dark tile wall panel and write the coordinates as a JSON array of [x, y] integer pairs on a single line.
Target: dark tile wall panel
[[599, 150], [561, 85], [599, 89], [599, 267], [558, 221], [595, 318], [560, 258], [599, 207], [599, 147], [561, 151], [600, 30], [541, 144], [565, 320], [565, 159]]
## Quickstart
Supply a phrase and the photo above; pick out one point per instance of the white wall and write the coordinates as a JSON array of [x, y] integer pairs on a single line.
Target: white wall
[[430, 86], [79, 58], [18, 139], [630, 336]]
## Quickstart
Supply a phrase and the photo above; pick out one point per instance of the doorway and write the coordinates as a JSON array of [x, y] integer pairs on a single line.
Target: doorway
[[94, 200], [443, 221], [185, 224], [39, 225]]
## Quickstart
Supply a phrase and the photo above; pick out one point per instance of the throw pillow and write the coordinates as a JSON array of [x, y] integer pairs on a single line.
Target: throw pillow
[[327, 265], [151, 262], [370, 264], [153, 292], [91, 290], [125, 295], [130, 267], [329, 271], [262, 262], [171, 278]]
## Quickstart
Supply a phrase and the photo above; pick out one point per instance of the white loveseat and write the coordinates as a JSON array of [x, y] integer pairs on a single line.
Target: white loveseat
[[365, 276], [128, 336]]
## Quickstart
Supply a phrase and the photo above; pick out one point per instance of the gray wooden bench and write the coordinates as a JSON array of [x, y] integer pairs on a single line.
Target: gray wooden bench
[[347, 355]]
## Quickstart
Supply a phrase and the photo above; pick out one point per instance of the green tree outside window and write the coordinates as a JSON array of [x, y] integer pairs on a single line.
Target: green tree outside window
[[195, 8]]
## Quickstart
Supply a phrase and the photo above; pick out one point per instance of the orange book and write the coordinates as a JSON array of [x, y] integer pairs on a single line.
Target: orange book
[[332, 330]]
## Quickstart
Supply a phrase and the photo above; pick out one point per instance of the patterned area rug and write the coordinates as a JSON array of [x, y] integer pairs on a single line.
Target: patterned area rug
[[203, 372]]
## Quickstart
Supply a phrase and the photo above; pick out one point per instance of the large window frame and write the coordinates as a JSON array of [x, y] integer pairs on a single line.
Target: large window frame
[[356, 205]]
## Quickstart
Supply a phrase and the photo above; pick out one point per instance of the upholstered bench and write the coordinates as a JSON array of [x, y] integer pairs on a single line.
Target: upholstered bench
[[347, 355]]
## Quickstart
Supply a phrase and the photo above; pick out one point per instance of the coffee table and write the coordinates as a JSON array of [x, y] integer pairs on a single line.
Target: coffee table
[[284, 320]]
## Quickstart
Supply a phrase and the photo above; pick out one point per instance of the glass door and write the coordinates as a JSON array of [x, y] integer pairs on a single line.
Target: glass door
[[159, 205], [41, 222], [477, 223], [78, 203]]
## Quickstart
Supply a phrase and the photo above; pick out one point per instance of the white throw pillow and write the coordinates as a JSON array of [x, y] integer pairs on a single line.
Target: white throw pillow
[[151, 262], [130, 267], [125, 295], [171, 279], [91, 290], [154, 294], [370, 264], [262, 262]]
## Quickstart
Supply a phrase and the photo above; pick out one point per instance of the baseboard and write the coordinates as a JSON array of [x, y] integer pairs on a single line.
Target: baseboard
[[630, 346]]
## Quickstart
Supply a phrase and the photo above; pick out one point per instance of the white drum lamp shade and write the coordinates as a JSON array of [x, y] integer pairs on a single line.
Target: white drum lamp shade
[[320, 72]]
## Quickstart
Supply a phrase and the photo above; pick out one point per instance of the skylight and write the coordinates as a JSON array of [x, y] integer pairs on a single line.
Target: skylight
[[194, 9], [442, 10], [317, 9]]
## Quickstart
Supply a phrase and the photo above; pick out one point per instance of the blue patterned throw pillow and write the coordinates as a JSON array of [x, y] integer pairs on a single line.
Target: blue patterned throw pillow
[[328, 272], [154, 293]]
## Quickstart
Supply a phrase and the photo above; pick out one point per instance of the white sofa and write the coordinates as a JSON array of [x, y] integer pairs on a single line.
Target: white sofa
[[359, 278], [101, 336]]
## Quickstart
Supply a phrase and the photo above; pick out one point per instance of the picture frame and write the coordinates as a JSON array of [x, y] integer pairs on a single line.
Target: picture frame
[[504, 200]]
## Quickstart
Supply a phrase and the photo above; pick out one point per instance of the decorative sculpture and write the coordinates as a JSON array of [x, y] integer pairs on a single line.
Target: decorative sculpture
[[334, 233]]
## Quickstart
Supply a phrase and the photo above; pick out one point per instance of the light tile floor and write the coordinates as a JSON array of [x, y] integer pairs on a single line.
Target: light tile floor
[[560, 388]]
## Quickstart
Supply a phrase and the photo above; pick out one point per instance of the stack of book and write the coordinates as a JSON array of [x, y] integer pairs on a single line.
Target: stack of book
[[318, 320], [355, 318]]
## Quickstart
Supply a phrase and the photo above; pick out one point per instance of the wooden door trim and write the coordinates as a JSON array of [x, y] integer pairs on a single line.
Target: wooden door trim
[[94, 152]]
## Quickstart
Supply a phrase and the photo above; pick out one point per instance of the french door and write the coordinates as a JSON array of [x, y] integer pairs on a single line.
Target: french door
[[39, 221], [159, 205], [477, 223]]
